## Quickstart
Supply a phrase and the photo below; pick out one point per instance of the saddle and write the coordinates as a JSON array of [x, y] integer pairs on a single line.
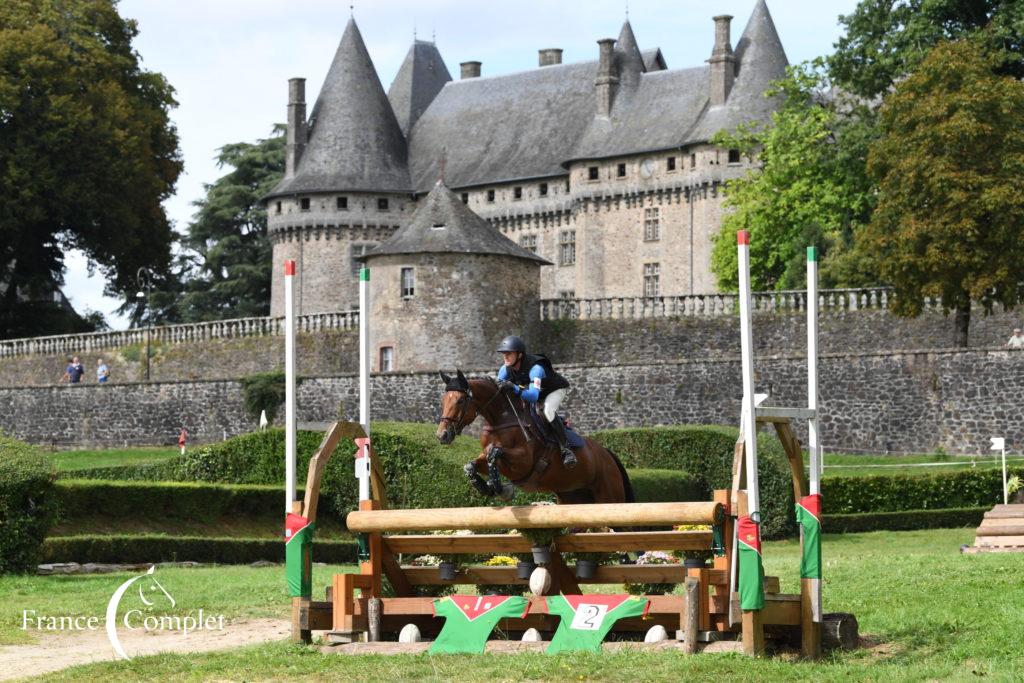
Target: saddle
[[541, 430]]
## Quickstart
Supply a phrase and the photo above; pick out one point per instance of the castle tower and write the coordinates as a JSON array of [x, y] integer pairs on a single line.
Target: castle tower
[[447, 287], [348, 188], [421, 77]]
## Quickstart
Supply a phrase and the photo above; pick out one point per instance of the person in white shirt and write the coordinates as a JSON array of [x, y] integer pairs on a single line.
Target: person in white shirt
[[1017, 340]]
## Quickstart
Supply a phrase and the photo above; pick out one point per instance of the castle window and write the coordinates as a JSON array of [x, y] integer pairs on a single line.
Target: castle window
[[734, 156], [592, 173], [356, 251], [671, 164], [382, 204], [304, 204], [277, 208], [567, 185], [408, 283], [567, 303], [652, 277], [465, 198], [543, 189], [387, 359], [490, 196], [693, 161], [567, 247], [621, 171], [529, 242], [517, 193], [652, 224]]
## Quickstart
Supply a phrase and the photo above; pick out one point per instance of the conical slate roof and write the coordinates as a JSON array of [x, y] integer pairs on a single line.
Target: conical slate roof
[[355, 141], [628, 56], [443, 224], [421, 77]]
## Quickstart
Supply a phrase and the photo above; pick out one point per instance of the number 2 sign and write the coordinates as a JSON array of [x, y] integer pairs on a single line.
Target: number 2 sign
[[588, 617]]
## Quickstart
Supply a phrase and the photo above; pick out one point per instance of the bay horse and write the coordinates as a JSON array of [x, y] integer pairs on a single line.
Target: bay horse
[[514, 447]]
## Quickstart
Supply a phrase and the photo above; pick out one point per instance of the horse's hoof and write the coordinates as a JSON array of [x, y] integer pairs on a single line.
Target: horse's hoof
[[569, 461], [508, 492]]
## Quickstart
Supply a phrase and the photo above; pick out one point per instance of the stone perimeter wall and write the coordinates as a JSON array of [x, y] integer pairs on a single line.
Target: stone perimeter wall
[[580, 342], [883, 402]]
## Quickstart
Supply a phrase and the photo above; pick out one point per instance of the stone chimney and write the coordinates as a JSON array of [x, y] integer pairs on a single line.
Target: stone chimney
[[723, 62], [470, 69], [607, 82], [550, 56], [297, 135]]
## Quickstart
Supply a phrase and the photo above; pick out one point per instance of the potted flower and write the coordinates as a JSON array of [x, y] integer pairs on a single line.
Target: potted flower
[[500, 588], [648, 558], [432, 591], [587, 563], [1015, 489], [541, 541], [693, 559]]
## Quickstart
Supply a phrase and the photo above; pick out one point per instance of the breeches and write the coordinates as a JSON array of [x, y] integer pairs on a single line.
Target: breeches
[[552, 402]]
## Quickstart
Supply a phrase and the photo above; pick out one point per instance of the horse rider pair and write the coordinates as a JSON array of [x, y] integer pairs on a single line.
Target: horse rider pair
[[533, 379]]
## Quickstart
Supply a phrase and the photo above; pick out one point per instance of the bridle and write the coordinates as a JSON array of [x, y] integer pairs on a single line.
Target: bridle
[[457, 422]]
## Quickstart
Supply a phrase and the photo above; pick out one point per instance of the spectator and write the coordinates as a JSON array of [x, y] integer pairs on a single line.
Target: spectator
[[1017, 340], [73, 372], [102, 373]]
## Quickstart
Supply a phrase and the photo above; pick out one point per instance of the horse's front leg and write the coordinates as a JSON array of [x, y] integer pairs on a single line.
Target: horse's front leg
[[473, 470]]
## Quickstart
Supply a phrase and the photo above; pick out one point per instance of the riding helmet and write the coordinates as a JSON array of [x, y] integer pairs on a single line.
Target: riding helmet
[[512, 343]]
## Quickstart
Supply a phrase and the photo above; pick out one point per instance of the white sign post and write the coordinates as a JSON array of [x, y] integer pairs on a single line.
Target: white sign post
[[289, 385], [999, 444]]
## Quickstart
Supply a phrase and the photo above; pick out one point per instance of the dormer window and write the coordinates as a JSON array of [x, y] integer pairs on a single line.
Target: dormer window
[[342, 203], [734, 156], [517, 193], [490, 196], [382, 204], [621, 171], [465, 195], [304, 204], [592, 173], [543, 189]]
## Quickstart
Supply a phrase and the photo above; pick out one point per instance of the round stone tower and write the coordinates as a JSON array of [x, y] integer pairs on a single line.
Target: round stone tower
[[446, 288]]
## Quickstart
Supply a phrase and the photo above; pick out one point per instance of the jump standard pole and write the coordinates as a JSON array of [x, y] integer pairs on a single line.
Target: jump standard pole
[[289, 385], [748, 523]]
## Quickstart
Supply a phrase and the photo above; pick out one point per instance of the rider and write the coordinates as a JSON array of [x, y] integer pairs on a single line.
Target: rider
[[533, 379]]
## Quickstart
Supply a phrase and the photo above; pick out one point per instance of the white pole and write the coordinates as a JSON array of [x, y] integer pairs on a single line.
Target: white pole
[[813, 436], [749, 414], [363, 463], [289, 385], [999, 444]]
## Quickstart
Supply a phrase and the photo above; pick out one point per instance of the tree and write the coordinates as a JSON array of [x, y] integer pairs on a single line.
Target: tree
[[811, 186], [230, 254], [884, 40], [87, 150], [948, 168]]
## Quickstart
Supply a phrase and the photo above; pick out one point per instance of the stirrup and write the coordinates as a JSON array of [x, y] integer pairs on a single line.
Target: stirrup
[[569, 460]]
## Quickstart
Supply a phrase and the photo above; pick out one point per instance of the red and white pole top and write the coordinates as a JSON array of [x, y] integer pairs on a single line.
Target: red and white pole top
[[289, 267]]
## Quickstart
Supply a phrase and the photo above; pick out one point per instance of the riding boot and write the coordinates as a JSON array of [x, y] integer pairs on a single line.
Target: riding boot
[[568, 457]]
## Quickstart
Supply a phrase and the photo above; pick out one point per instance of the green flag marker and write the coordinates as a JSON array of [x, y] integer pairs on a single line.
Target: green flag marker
[[751, 584], [364, 274], [808, 514], [812, 253], [298, 556]]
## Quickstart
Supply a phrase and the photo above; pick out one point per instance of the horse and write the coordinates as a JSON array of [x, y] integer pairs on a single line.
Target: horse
[[513, 447]]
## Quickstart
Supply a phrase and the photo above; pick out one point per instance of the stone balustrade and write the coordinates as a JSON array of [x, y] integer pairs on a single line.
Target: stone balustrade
[[174, 334]]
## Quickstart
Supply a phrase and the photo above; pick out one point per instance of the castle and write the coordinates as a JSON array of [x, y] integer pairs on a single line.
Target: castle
[[603, 168]]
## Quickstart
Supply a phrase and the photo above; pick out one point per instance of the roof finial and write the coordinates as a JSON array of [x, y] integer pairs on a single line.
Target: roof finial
[[433, 34], [627, 10], [414, 31], [352, 10], [444, 158]]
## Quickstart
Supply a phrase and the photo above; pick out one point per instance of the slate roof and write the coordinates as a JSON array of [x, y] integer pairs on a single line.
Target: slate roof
[[518, 126], [443, 224], [421, 77], [355, 141]]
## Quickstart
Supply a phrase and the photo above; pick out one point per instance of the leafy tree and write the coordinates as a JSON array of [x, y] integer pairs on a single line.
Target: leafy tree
[[87, 150], [811, 186], [884, 40], [948, 169], [230, 254]]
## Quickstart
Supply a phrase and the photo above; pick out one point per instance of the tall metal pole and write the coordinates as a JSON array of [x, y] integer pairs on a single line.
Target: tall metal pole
[[749, 418], [289, 385], [813, 436]]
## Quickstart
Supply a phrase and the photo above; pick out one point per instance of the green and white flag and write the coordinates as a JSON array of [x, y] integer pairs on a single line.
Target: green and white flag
[[586, 619], [298, 555], [808, 515], [751, 570]]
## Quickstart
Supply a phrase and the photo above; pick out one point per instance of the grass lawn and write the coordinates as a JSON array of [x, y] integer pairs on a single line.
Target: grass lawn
[[931, 612], [69, 461], [888, 465]]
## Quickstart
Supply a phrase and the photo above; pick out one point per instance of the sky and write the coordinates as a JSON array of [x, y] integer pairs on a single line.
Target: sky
[[230, 60]]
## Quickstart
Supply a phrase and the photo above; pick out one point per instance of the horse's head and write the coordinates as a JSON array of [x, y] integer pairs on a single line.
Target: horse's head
[[457, 407]]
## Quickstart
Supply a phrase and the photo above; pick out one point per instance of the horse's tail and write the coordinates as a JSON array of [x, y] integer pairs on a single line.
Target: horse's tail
[[627, 486]]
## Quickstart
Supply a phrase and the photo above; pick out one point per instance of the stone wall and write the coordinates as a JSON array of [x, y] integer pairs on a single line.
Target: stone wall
[[883, 402]]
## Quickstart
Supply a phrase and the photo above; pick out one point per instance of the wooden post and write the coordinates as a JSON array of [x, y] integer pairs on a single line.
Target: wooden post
[[691, 616]]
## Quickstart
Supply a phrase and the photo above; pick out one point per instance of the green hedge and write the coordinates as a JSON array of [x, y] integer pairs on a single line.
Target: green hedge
[[138, 549], [27, 504], [907, 520], [175, 500], [707, 453], [940, 491]]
